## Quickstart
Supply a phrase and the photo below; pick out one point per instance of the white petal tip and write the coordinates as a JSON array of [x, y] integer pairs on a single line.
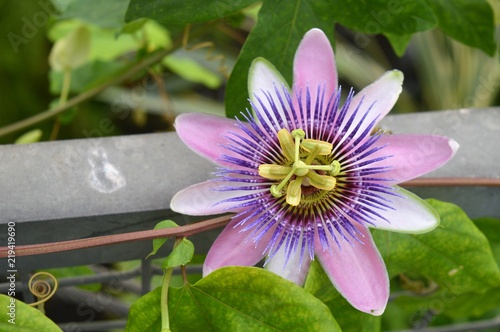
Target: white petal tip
[[377, 312], [395, 75], [453, 145], [206, 271]]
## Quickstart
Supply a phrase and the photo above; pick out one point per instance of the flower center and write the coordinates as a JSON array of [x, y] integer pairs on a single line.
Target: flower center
[[304, 167]]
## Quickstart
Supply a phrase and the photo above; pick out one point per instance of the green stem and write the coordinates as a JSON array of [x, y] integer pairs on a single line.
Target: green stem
[[63, 98], [65, 87], [165, 321]]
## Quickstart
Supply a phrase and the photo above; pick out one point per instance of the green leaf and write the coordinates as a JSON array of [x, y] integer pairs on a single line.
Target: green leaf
[[349, 319], [158, 243], [67, 116], [182, 12], [491, 229], [249, 299], [145, 313], [403, 17], [275, 38], [75, 271], [87, 76], [106, 14], [180, 255], [192, 71], [31, 136], [468, 21], [450, 304], [234, 299], [17, 316], [399, 42], [456, 255]]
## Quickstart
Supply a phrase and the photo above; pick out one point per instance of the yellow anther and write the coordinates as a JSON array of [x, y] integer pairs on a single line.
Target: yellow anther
[[274, 172], [323, 182], [294, 192], [323, 148], [302, 166], [287, 144]]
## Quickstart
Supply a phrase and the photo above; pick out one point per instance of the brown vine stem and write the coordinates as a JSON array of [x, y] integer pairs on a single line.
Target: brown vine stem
[[46, 248], [181, 231], [452, 182]]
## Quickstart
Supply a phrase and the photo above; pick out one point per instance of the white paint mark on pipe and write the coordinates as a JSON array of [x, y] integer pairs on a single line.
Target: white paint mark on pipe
[[104, 176]]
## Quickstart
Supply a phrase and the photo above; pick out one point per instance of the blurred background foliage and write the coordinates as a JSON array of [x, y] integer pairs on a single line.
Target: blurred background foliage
[[440, 72]]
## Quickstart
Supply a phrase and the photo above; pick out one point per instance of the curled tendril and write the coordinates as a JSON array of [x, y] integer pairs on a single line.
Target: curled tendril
[[44, 287]]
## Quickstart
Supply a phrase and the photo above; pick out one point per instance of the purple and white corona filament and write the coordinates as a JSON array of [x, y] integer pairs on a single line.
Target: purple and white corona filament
[[307, 176]]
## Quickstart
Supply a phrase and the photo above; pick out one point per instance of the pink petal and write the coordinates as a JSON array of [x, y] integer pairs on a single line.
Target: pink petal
[[264, 78], [235, 248], [411, 214], [204, 134], [204, 198], [293, 270], [358, 272], [314, 63], [379, 98], [413, 155]]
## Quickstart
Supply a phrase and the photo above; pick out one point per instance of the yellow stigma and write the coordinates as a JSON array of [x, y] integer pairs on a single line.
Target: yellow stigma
[[304, 161]]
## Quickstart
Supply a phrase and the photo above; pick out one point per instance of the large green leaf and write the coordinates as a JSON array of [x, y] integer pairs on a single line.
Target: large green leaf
[[182, 12], [402, 17], [456, 255], [17, 316], [450, 304], [275, 38], [349, 319], [468, 21], [235, 299], [491, 229], [145, 313], [106, 14]]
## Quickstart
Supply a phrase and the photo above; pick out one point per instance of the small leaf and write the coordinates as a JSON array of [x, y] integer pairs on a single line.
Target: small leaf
[[468, 21], [134, 26], [247, 299], [180, 255], [456, 255], [399, 42], [158, 243], [67, 116], [17, 316], [181, 11], [31, 136], [192, 71]]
